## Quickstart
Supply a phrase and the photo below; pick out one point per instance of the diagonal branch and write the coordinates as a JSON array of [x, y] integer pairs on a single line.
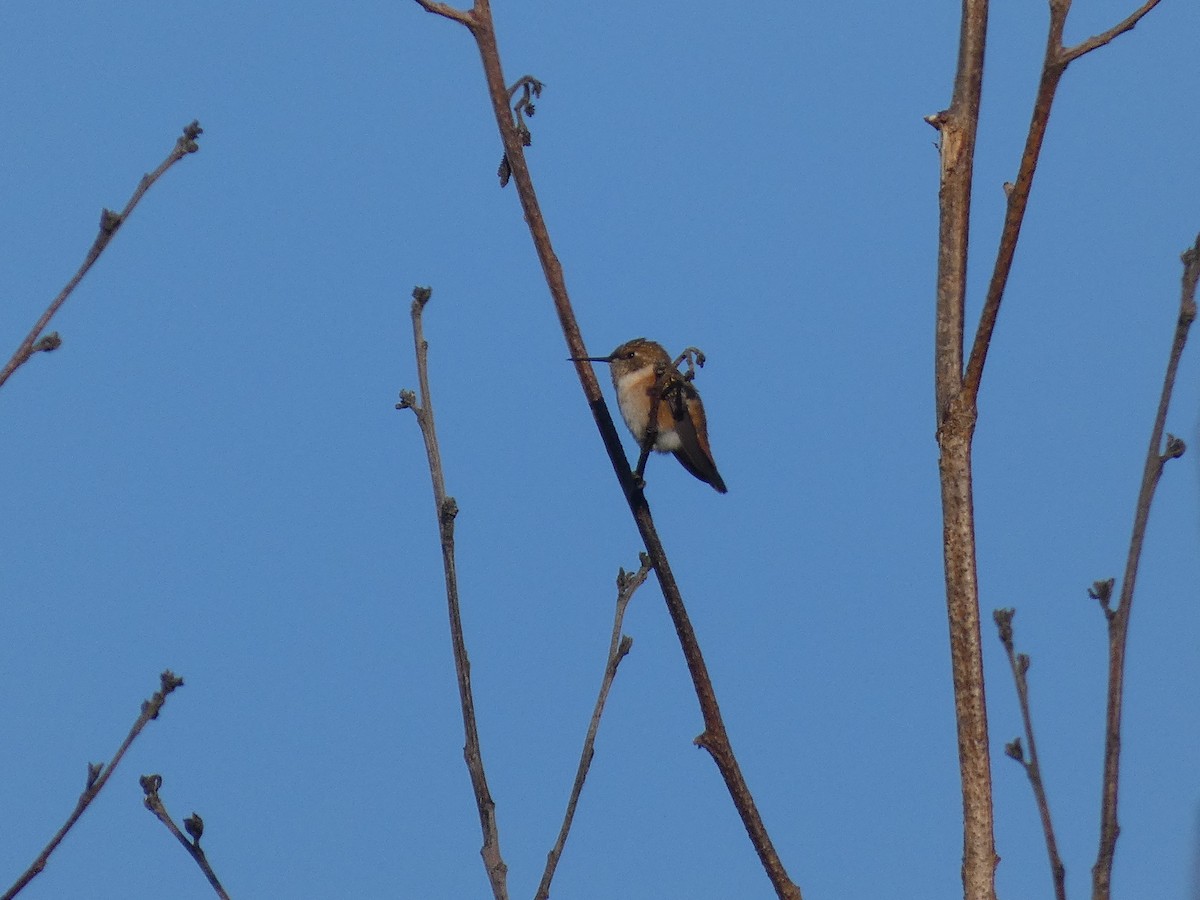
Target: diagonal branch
[[618, 649], [98, 775], [1019, 663], [1118, 619], [714, 738], [1072, 53], [1057, 58], [447, 509], [109, 223], [193, 823]]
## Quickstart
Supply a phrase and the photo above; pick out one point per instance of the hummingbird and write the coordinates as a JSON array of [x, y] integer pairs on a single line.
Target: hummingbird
[[645, 377]]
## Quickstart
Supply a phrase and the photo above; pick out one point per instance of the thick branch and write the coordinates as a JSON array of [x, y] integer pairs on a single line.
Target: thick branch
[[1118, 620], [109, 223], [714, 739], [956, 425], [98, 776], [618, 649], [447, 509]]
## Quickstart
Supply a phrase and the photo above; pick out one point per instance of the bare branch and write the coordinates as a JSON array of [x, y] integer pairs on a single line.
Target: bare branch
[[1054, 65], [714, 738], [618, 648], [109, 223], [956, 415], [98, 775], [1118, 620], [1019, 663], [446, 10], [447, 509], [1018, 199], [1069, 54], [193, 823]]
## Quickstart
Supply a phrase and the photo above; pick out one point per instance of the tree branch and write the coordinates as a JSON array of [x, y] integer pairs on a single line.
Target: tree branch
[[193, 823], [956, 415], [109, 223], [447, 11], [1118, 619], [957, 391], [618, 648], [1057, 58], [714, 738], [447, 509], [1019, 663], [1073, 53], [98, 775]]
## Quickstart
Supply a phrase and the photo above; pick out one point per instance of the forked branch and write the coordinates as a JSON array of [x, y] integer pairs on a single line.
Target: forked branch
[[957, 382], [98, 775]]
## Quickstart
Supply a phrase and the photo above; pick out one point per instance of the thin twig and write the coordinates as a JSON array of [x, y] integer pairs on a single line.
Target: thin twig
[[447, 509], [109, 223], [714, 738], [1072, 53], [1019, 663], [1118, 621], [463, 16], [193, 823], [619, 646], [98, 775]]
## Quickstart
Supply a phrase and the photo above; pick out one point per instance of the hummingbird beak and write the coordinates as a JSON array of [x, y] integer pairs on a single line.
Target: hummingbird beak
[[603, 359]]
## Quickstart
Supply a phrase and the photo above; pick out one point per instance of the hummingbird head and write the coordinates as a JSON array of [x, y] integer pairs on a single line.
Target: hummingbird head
[[631, 356]]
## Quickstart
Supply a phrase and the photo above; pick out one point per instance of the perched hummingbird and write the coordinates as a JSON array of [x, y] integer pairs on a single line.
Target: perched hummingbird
[[639, 367]]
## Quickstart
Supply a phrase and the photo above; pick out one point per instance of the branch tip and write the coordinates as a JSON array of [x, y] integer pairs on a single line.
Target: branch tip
[[1003, 618], [187, 142]]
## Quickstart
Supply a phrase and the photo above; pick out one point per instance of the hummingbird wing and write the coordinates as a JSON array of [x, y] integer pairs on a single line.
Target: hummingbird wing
[[692, 427]]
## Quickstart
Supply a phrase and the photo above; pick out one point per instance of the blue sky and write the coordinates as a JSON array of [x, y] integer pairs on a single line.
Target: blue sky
[[210, 476]]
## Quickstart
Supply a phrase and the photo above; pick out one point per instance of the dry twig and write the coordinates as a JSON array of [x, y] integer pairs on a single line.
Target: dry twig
[[1157, 457], [1019, 663], [447, 509], [714, 738], [193, 823], [98, 775], [618, 648], [110, 221]]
